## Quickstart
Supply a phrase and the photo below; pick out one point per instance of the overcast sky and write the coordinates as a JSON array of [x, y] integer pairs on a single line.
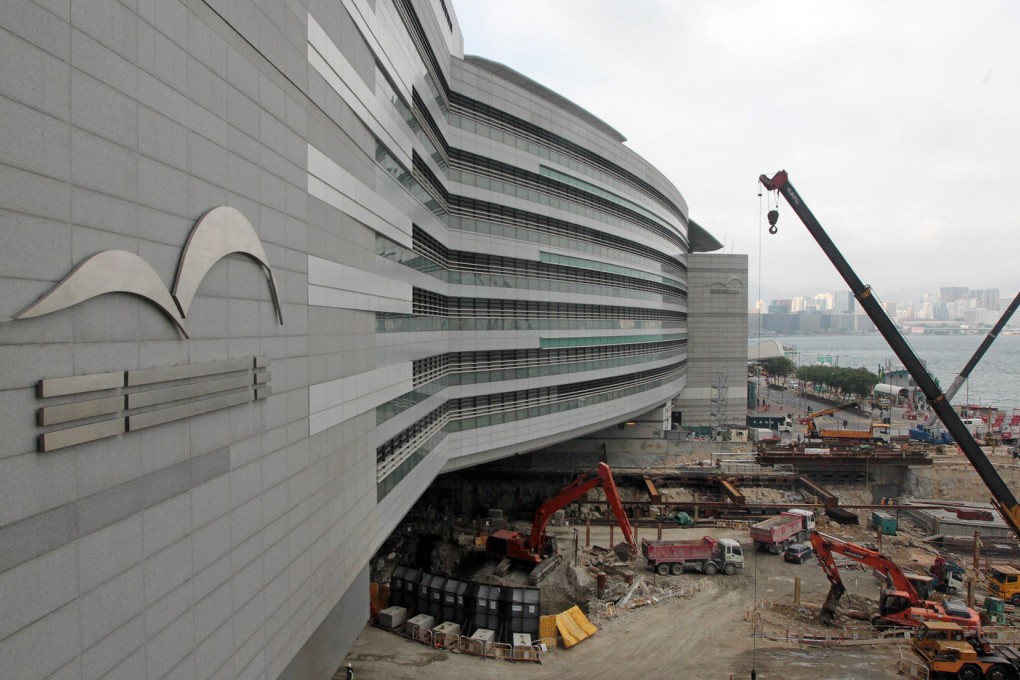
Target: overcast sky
[[898, 122]]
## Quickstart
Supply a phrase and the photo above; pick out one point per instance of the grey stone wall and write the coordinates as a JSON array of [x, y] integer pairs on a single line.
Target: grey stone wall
[[717, 341], [236, 543]]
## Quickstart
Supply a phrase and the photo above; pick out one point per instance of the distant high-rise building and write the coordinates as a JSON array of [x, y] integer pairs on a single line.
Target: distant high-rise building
[[958, 308], [781, 307], [843, 302], [953, 293], [987, 298]]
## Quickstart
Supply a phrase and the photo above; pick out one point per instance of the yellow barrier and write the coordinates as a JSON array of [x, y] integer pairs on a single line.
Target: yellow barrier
[[547, 627], [574, 626]]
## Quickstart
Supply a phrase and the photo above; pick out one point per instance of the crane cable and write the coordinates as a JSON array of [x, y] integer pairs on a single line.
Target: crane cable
[[754, 581]]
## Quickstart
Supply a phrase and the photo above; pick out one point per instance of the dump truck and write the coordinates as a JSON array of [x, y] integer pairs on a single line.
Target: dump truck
[[776, 533], [949, 577], [761, 434], [1004, 583], [708, 555]]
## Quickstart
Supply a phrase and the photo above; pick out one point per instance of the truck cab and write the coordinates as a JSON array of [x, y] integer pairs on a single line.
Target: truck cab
[[809, 518], [727, 551], [1004, 583]]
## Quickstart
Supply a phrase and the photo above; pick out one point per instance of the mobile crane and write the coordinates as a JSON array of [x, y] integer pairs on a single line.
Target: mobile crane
[[1002, 498], [899, 603], [809, 420], [538, 545]]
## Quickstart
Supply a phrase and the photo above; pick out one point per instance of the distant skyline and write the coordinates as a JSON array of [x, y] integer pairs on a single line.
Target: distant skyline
[[902, 296], [896, 122]]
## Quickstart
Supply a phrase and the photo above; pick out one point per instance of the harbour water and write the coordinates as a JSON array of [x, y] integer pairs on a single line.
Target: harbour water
[[994, 382]]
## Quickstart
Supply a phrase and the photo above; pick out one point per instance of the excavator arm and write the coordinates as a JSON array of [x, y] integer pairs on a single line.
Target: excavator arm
[[1002, 497], [824, 547], [570, 493]]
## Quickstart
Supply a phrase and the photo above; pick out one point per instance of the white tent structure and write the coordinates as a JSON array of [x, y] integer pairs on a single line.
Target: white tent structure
[[892, 392], [769, 349]]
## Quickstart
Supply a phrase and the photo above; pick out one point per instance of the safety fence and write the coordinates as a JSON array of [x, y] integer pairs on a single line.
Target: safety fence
[[843, 636], [488, 649], [911, 667], [1001, 635]]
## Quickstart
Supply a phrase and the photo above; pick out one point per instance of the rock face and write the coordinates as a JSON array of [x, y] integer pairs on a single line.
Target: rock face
[[957, 481]]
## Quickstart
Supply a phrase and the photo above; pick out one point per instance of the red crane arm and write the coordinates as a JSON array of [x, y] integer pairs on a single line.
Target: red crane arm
[[580, 486]]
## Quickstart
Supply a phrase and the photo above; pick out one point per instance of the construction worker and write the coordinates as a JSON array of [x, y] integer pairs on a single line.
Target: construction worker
[[350, 672]]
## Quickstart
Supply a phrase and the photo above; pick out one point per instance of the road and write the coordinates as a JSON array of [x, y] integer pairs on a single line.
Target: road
[[780, 402]]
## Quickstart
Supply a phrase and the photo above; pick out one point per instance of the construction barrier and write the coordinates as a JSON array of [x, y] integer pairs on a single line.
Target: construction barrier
[[547, 628], [1001, 635], [846, 636], [909, 666], [574, 626]]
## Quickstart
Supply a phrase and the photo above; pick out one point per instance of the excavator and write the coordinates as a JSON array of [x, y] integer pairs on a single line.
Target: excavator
[[538, 545], [899, 603], [1002, 498]]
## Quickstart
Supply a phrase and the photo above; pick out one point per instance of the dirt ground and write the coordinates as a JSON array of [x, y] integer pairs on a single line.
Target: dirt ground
[[706, 635]]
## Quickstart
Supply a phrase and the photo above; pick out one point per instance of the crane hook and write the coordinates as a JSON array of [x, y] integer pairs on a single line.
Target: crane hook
[[773, 218]]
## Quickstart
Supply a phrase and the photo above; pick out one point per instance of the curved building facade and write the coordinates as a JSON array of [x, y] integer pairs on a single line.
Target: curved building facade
[[269, 268]]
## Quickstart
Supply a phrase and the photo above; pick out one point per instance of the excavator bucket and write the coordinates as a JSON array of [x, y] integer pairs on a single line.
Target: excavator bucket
[[828, 613], [625, 552]]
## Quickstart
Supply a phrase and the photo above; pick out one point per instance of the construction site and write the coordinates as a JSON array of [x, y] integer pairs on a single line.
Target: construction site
[[593, 602], [802, 551]]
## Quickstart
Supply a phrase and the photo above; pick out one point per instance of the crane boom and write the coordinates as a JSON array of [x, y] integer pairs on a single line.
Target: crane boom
[[812, 429], [1002, 497]]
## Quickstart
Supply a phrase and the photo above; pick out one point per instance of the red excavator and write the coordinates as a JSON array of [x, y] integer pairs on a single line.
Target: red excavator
[[537, 546], [899, 603]]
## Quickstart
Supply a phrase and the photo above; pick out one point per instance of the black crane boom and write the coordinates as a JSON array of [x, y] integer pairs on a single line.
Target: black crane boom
[[1002, 497]]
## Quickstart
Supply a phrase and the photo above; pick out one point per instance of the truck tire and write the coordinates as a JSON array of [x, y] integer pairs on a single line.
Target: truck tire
[[1015, 600], [730, 569], [998, 672], [676, 568], [710, 568], [969, 672], [662, 569]]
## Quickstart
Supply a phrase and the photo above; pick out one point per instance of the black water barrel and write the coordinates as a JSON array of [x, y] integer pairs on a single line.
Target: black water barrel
[[436, 597], [450, 588], [397, 586], [422, 594]]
